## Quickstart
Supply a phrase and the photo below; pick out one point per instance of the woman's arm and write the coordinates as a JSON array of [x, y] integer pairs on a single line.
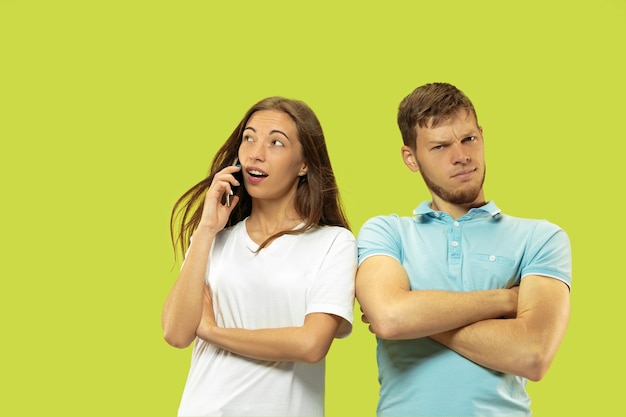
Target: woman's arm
[[308, 343], [183, 308]]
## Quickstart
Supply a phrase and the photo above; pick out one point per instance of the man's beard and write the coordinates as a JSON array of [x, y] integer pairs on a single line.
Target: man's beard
[[461, 197]]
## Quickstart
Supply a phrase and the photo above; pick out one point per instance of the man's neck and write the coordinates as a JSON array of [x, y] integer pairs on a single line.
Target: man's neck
[[456, 210]]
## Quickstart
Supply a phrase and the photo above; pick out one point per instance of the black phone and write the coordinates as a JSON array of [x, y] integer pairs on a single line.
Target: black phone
[[239, 177]]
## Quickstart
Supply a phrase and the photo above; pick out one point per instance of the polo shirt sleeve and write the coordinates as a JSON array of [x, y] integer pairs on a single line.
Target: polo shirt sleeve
[[380, 236], [549, 253], [333, 290]]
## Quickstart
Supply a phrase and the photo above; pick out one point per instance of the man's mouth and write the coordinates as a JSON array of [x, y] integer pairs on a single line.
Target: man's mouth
[[463, 174]]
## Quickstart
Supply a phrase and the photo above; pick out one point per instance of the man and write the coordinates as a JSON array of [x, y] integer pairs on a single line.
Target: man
[[467, 303]]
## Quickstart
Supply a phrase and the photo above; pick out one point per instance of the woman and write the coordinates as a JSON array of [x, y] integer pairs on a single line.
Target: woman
[[268, 278]]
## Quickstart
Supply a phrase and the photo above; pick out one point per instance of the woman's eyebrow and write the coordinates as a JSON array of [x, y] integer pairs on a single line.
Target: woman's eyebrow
[[280, 132], [271, 132]]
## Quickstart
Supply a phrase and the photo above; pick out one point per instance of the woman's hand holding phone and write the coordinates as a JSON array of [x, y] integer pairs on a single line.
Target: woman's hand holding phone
[[220, 198], [238, 175]]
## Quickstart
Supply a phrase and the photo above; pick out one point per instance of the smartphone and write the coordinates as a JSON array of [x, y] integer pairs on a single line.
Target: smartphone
[[239, 177]]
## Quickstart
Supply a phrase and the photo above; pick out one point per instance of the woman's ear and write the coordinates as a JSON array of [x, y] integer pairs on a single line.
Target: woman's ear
[[409, 158], [303, 170]]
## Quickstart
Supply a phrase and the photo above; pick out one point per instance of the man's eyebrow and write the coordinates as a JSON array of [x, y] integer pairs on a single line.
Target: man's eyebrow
[[439, 141], [443, 141]]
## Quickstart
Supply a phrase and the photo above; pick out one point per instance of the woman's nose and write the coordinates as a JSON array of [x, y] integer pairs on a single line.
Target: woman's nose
[[257, 152]]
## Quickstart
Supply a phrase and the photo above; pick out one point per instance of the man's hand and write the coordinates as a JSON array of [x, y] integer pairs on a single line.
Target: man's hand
[[365, 320]]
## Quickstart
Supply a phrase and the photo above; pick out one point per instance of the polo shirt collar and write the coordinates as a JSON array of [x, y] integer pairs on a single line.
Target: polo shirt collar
[[489, 208]]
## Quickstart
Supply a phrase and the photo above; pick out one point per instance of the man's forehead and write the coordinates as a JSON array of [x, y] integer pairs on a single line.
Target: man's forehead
[[460, 114], [448, 130]]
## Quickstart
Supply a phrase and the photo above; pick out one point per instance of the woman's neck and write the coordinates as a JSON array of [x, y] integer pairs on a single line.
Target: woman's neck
[[267, 219]]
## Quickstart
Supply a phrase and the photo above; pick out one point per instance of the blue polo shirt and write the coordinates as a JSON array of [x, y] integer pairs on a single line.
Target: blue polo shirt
[[482, 250]]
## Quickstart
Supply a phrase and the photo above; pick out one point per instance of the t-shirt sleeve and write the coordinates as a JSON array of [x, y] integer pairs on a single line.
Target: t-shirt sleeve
[[380, 236], [549, 253], [333, 289]]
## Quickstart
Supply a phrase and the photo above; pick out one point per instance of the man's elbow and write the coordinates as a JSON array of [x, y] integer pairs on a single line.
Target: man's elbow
[[386, 331], [387, 325], [536, 366], [535, 374]]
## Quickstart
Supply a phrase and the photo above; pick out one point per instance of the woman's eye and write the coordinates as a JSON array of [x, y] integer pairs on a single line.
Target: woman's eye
[[276, 142], [247, 138]]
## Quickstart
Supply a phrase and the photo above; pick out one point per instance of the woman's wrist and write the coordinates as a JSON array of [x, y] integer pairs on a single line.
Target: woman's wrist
[[206, 331], [204, 232]]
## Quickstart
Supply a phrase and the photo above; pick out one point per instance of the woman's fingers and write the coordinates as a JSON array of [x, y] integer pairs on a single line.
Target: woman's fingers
[[220, 200]]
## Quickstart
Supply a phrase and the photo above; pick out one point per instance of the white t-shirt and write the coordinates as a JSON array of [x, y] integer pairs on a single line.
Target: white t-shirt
[[277, 287]]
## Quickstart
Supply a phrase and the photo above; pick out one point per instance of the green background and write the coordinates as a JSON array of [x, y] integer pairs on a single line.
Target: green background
[[109, 110]]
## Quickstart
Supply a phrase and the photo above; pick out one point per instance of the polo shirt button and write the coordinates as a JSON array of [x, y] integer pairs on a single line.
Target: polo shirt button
[[456, 224], [492, 258], [455, 243]]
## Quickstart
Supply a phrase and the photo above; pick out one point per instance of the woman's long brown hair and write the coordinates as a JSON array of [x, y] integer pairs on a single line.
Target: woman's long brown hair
[[317, 196]]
